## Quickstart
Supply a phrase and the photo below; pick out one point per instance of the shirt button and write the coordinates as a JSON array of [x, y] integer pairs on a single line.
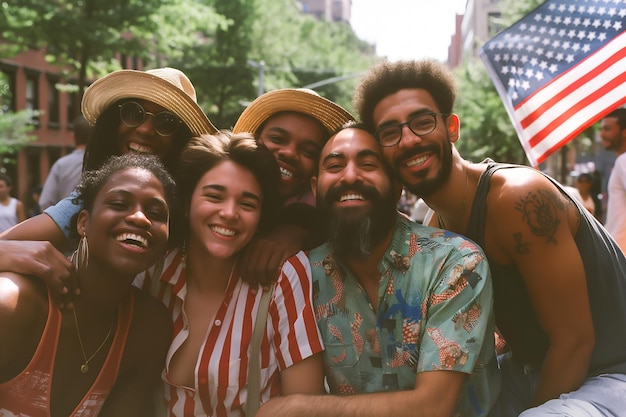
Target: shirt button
[[218, 322], [203, 380]]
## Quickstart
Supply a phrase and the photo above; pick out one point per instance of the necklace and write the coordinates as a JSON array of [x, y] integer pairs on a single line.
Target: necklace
[[84, 368]]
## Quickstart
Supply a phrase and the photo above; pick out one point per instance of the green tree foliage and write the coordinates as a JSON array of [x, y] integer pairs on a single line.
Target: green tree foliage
[[86, 37], [299, 50], [14, 127], [218, 65], [295, 50], [213, 41], [486, 130]]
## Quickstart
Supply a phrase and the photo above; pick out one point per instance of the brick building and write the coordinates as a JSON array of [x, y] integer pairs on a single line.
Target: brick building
[[34, 85], [37, 85]]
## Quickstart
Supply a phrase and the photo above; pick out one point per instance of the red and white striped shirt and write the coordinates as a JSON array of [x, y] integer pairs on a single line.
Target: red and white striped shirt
[[291, 335]]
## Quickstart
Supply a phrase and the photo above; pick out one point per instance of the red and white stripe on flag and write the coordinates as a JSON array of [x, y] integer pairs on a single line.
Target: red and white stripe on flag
[[559, 69]]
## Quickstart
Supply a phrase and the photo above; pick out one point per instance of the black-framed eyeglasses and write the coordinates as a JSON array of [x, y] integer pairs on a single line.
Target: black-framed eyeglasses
[[421, 125], [165, 123]]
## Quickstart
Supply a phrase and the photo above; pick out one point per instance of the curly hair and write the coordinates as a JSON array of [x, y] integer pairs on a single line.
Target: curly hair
[[204, 152], [92, 181], [386, 78]]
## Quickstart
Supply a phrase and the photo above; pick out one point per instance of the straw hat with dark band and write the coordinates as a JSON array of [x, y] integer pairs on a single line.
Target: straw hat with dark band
[[300, 100], [167, 87]]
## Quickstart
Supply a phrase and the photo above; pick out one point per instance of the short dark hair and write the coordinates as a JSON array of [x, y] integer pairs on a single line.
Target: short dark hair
[[92, 181], [82, 130], [620, 115], [387, 78], [7, 179], [204, 152]]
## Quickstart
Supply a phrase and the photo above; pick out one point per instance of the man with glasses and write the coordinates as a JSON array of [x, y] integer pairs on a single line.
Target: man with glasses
[[559, 278], [405, 310]]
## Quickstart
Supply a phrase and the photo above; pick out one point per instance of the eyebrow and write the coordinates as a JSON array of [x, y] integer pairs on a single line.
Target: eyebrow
[[411, 115], [307, 141], [360, 154], [128, 193], [221, 188]]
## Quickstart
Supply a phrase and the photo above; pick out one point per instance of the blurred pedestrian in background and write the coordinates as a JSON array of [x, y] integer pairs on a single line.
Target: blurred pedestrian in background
[[11, 209], [65, 172], [613, 134]]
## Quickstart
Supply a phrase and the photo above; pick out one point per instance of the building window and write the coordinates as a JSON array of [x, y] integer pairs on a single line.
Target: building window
[[32, 94], [72, 109], [494, 23], [53, 103]]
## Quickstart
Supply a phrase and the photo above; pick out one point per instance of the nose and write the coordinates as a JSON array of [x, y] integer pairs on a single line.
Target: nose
[[408, 138], [351, 174], [146, 127], [288, 151], [139, 218], [229, 210]]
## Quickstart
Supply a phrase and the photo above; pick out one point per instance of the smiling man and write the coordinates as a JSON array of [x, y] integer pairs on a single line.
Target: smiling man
[[405, 310], [559, 279]]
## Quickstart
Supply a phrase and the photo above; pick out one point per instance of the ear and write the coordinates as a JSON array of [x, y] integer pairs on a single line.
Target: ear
[[82, 222], [454, 125], [314, 186]]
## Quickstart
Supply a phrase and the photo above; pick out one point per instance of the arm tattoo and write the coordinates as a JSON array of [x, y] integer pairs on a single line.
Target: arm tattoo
[[540, 210], [520, 246]]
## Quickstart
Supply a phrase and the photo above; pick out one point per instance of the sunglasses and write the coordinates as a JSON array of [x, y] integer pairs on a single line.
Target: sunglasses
[[165, 123]]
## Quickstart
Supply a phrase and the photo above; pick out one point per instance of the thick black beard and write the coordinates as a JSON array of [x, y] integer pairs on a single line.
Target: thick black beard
[[354, 232], [350, 237]]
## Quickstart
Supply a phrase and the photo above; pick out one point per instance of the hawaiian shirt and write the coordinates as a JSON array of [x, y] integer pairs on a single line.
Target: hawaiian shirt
[[434, 313]]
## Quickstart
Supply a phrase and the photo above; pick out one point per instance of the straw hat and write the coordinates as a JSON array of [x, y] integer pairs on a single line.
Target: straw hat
[[168, 87], [300, 100]]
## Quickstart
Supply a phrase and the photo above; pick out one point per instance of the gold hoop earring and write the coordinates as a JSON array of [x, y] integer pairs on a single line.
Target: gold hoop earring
[[80, 257]]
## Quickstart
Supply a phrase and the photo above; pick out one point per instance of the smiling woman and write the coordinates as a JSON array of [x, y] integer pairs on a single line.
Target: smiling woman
[[93, 360], [229, 188], [145, 112]]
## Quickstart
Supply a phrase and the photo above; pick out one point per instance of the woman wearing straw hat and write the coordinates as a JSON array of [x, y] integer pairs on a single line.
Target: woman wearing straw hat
[[153, 112], [294, 124]]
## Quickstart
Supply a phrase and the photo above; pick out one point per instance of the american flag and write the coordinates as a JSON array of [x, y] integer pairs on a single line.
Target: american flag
[[560, 69]]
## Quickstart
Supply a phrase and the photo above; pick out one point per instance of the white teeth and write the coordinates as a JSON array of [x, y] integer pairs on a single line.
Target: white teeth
[[285, 174], [350, 197], [135, 147], [417, 161], [223, 231], [133, 239]]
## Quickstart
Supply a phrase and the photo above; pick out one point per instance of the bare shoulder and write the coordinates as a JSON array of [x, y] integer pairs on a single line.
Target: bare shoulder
[[513, 192], [23, 315], [22, 297], [524, 209]]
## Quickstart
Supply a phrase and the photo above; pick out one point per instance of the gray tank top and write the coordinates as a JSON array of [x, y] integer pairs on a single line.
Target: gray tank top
[[605, 270]]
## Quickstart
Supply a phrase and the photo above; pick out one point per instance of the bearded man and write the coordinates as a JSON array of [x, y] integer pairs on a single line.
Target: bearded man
[[405, 310]]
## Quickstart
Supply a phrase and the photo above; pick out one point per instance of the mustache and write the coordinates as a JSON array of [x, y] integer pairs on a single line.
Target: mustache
[[334, 194], [409, 153]]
